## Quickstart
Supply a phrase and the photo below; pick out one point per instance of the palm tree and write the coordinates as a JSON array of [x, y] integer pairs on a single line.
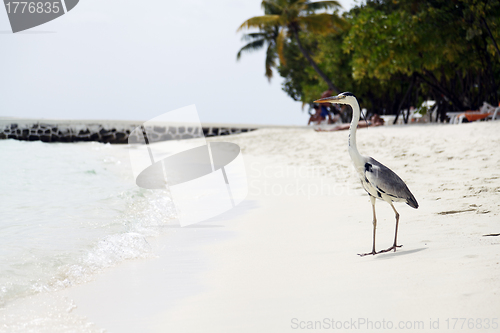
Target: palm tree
[[270, 36], [291, 17], [267, 36]]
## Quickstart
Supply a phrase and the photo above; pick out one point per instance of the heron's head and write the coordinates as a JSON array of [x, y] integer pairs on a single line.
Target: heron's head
[[343, 98]]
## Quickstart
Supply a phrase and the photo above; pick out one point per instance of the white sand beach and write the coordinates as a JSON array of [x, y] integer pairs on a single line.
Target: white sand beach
[[286, 258]]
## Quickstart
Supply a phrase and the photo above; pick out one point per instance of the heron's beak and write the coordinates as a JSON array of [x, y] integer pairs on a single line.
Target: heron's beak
[[331, 99]]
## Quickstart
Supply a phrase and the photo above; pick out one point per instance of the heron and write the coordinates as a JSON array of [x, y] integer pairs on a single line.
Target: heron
[[379, 181]]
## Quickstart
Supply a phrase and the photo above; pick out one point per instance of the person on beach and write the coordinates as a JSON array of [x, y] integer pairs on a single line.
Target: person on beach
[[320, 114], [323, 111], [375, 120], [326, 109], [316, 117]]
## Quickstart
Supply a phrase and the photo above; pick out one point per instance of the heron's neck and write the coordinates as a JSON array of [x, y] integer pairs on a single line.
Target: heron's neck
[[353, 148]]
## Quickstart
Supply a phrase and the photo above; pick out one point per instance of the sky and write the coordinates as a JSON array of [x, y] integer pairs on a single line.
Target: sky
[[134, 60]]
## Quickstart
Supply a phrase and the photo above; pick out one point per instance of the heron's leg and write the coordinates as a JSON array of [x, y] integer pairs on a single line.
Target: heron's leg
[[396, 232], [394, 246], [372, 199]]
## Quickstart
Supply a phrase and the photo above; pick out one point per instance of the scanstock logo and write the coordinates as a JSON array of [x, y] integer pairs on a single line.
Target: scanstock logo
[[203, 179], [25, 15]]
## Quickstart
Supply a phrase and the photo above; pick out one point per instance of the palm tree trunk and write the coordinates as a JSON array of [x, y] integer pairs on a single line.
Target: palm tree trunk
[[403, 100], [330, 84], [440, 89]]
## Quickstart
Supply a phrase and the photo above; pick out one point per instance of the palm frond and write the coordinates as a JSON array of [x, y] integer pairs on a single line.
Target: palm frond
[[319, 5], [280, 42], [253, 36], [250, 47], [339, 23], [270, 61], [260, 22], [271, 7], [319, 23]]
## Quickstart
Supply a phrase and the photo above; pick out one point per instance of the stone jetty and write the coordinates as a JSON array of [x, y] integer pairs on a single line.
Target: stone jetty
[[115, 132]]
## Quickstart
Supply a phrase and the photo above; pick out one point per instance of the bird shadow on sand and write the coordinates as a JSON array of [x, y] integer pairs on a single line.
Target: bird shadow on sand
[[390, 255]]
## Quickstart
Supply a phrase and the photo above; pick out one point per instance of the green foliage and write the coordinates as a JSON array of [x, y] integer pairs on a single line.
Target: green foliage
[[392, 53], [304, 84], [443, 43]]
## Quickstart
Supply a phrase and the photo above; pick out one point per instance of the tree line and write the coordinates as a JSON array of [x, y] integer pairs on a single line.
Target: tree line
[[392, 54]]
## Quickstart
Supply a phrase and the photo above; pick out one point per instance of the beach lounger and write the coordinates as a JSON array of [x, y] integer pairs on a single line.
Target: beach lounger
[[496, 114], [454, 116], [484, 112]]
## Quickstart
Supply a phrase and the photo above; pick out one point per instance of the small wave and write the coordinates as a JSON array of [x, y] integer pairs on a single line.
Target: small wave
[[71, 215], [146, 216]]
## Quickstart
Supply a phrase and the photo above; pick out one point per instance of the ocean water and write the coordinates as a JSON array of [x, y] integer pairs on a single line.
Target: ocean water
[[69, 211]]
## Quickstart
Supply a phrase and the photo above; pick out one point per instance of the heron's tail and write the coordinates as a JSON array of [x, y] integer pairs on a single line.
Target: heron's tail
[[412, 202]]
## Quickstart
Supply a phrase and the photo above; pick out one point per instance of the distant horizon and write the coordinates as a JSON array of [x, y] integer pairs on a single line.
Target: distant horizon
[[26, 120]]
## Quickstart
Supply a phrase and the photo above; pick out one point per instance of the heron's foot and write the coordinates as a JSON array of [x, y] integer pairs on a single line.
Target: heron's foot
[[394, 247], [367, 254]]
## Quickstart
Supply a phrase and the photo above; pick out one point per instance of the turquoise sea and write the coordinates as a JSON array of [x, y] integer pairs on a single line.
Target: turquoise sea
[[69, 211]]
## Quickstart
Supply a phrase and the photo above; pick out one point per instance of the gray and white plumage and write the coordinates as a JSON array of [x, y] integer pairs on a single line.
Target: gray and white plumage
[[378, 180], [387, 185]]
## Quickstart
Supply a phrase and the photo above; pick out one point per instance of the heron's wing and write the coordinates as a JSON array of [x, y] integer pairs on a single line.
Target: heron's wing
[[386, 181]]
